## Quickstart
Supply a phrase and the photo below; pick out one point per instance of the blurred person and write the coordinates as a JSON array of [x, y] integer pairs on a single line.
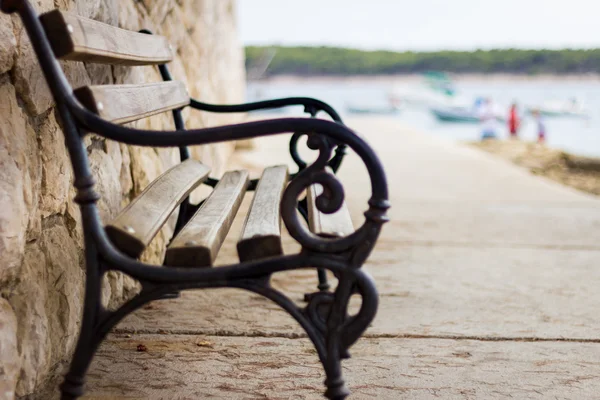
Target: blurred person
[[514, 122], [541, 126], [488, 120]]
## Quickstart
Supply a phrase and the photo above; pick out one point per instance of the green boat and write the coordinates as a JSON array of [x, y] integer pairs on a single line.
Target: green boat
[[455, 115], [440, 82]]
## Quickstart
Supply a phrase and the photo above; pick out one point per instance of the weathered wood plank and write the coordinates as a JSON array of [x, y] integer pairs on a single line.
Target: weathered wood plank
[[334, 225], [261, 235], [81, 39], [126, 103], [200, 240], [133, 229]]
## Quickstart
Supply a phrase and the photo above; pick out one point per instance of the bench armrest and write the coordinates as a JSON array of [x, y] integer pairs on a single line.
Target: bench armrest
[[311, 106], [323, 136]]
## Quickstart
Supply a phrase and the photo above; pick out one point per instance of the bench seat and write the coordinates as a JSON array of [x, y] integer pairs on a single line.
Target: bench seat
[[261, 235], [200, 240], [133, 229]]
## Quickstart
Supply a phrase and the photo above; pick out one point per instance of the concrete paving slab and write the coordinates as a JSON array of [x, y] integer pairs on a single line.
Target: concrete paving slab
[[434, 291], [204, 367], [521, 225], [488, 292]]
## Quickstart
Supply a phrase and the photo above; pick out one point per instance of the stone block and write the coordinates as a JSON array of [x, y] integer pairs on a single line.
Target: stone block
[[9, 369], [56, 168], [8, 43], [29, 302]]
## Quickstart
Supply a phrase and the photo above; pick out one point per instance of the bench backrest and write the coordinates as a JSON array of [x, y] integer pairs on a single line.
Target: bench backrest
[[59, 35], [81, 39]]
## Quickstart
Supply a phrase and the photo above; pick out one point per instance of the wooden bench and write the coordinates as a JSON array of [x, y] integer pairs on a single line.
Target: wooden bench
[[329, 243]]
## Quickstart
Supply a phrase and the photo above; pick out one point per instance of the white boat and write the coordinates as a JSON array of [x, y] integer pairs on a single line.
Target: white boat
[[467, 114], [455, 114], [353, 109], [393, 107], [571, 108], [436, 89]]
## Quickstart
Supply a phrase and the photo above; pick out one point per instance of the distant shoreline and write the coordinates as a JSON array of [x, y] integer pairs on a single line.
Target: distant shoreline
[[308, 60], [418, 78]]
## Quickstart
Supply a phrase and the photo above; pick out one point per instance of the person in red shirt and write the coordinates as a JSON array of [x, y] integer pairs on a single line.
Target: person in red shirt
[[513, 121]]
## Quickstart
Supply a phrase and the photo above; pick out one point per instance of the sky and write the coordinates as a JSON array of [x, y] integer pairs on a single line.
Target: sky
[[421, 25]]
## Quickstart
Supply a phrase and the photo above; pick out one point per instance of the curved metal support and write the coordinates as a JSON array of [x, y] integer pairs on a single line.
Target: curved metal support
[[334, 163], [73, 384], [328, 202], [324, 319], [294, 150], [141, 137], [8, 6], [311, 106], [323, 285]]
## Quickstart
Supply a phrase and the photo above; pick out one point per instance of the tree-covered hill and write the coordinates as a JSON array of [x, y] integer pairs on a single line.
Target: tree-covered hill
[[342, 61]]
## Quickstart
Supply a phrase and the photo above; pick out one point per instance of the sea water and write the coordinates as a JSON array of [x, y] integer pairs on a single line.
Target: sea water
[[575, 135]]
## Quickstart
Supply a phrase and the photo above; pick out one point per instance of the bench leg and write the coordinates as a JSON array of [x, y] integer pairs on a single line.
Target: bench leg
[[323, 285], [73, 384], [325, 318], [96, 324], [322, 319], [328, 312]]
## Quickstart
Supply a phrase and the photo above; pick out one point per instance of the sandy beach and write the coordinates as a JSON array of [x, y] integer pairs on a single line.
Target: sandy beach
[[582, 173]]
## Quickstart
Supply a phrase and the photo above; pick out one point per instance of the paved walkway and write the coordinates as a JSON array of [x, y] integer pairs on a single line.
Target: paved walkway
[[489, 279]]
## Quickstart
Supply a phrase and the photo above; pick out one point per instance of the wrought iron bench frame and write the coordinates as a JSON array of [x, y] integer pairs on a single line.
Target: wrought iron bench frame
[[325, 318]]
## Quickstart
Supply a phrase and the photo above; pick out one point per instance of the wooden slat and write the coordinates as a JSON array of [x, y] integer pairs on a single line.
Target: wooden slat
[[133, 229], [261, 235], [200, 240], [126, 103], [81, 39], [334, 225]]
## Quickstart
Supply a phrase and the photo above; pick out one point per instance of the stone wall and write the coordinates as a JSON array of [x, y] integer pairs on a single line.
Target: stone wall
[[41, 269]]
